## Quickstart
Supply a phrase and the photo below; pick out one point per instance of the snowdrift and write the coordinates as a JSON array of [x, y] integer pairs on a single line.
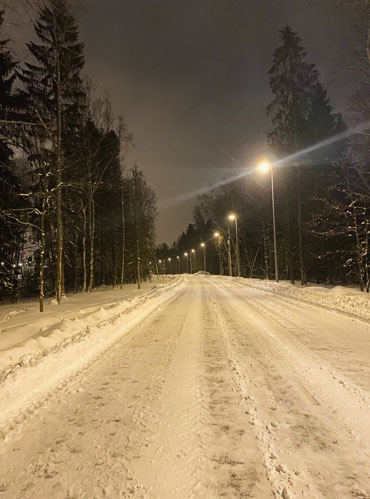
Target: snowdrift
[[348, 301]]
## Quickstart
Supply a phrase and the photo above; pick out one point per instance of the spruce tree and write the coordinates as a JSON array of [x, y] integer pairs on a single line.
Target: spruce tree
[[53, 84], [302, 116], [10, 232]]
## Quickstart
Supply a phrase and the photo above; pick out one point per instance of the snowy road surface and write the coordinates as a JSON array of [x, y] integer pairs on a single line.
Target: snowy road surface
[[222, 392]]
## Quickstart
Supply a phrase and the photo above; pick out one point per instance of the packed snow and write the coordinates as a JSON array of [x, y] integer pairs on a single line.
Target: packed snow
[[205, 387]]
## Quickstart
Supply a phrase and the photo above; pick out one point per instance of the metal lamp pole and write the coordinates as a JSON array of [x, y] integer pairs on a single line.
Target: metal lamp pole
[[170, 260], [274, 223], [234, 218], [229, 253], [203, 245], [264, 167], [178, 264], [187, 262], [194, 261]]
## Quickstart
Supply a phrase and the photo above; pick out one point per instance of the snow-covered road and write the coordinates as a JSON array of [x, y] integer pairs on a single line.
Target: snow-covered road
[[222, 391]]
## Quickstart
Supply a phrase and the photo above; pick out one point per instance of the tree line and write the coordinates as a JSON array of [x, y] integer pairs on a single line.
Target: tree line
[[73, 216], [321, 185]]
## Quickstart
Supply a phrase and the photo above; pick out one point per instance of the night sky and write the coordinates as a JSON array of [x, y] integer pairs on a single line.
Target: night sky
[[190, 78]]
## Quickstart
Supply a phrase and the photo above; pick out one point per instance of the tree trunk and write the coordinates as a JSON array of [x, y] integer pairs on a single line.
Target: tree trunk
[[289, 243], [229, 257], [59, 281], [123, 239], [76, 264], [114, 263], [92, 238], [138, 259], [42, 256], [358, 249], [220, 257], [84, 262], [300, 231]]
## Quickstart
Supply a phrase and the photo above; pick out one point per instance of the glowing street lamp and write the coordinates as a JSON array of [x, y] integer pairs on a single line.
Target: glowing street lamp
[[232, 217], [264, 167], [186, 255], [218, 236], [194, 262], [203, 245], [178, 264], [170, 260], [160, 266]]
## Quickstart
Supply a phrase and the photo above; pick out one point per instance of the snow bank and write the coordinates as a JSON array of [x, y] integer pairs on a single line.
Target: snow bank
[[344, 300], [43, 365], [54, 336]]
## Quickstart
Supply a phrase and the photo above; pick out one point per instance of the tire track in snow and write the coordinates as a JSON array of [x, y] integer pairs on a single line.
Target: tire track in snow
[[174, 464], [233, 448], [306, 425], [292, 332]]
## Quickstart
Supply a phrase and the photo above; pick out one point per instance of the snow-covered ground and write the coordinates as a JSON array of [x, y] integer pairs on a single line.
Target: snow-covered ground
[[24, 331], [203, 388], [346, 300]]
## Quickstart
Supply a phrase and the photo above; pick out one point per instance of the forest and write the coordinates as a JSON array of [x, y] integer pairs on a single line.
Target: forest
[[73, 214], [321, 170]]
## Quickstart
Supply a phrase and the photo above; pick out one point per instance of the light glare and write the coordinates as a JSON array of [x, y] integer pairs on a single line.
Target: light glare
[[264, 166]]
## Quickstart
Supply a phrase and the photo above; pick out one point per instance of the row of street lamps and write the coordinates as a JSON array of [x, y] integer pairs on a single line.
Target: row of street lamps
[[264, 167], [192, 261]]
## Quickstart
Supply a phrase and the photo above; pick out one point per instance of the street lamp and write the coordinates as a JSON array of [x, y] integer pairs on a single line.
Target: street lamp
[[194, 261], [178, 265], [203, 245], [218, 236], [265, 167], [170, 260], [160, 266], [234, 218], [187, 261]]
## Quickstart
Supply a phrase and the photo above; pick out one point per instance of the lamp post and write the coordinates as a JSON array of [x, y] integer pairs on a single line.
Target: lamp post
[[218, 236], [229, 253], [265, 167], [194, 261], [178, 264], [234, 218], [170, 260], [186, 255], [203, 245]]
